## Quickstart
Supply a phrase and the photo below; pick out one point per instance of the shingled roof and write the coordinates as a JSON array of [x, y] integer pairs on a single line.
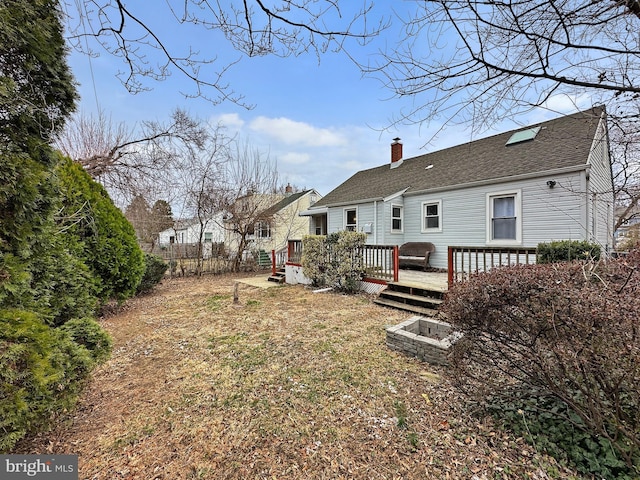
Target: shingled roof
[[288, 200], [564, 142]]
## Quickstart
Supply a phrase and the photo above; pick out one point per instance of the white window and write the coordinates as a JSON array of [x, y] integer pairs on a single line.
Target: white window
[[208, 237], [263, 230], [350, 220], [432, 216], [504, 218], [396, 218]]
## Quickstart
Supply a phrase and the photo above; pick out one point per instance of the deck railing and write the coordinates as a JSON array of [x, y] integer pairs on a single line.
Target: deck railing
[[463, 261], [294, 251], [380, 261]]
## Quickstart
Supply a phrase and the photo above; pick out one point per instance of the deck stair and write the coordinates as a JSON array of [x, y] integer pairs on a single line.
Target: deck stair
[[422, 300], [278, 277]]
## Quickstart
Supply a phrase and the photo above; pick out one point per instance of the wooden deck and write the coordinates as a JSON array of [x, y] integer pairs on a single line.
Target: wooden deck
[[434, 280]]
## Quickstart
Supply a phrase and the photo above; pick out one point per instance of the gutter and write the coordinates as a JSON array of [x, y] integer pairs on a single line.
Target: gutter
[[314, 211]]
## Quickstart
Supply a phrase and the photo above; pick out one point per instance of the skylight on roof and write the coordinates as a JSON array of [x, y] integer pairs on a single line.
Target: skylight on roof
[[523, 136]]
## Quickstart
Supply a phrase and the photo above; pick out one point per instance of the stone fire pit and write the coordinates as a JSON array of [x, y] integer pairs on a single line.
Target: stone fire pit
[[425, 338]]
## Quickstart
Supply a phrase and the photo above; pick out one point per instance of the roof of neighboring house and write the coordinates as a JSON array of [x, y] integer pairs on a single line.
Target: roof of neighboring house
[[288, 200], [560, 143]]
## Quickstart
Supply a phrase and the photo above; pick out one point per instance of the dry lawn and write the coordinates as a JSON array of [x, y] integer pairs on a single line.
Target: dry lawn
[[287, 384]]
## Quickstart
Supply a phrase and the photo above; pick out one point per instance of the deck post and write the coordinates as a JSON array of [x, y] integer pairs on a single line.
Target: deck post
[[449, 266], [273, 262], [396, 263]]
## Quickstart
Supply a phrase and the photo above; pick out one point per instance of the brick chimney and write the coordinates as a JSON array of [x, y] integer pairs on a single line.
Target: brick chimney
[[396, 150], [288, 190]]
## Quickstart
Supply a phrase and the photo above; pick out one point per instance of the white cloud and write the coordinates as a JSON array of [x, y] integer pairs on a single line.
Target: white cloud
[[297, 133], [230, 120], [294, 158]]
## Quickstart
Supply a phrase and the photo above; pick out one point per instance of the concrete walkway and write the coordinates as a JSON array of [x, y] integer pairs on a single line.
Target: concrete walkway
[[258, 281]]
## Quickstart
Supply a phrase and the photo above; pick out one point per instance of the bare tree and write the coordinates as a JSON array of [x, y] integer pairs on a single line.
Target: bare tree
[[131, 161], [479, 62], [198, 182], [487, 60], [148, 221], [249, 188], [252, 27]]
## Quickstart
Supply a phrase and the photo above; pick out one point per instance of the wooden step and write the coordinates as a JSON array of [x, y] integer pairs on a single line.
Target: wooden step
[[430, 312], [278, 277], [414, 289], [407, 298]]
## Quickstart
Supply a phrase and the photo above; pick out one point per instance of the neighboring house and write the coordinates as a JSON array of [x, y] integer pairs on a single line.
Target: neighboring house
[[277, 221], [185, 234], [550, 181], [629, 230]]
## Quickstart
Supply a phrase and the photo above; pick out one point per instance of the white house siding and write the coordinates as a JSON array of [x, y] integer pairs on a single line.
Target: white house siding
[[191, 233], [600, 187]]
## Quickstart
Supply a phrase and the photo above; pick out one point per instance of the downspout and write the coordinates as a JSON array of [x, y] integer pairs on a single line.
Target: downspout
[[375, 222]]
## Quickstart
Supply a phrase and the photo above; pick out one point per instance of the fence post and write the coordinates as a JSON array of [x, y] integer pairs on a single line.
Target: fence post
[[450, 266]]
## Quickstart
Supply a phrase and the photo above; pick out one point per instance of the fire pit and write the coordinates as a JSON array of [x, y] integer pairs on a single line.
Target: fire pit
[[425, 338]]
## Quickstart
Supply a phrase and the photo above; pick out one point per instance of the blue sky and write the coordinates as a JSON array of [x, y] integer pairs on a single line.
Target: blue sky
[[321, 122]]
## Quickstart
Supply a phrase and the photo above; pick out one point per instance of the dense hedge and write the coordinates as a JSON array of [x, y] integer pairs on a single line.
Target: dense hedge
[[109, 244], [569, 332], [567, 251], [63, 245], [41, 369]]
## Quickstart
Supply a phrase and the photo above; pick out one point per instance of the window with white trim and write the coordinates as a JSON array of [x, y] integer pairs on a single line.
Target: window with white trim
[[504, 218], [432, 216], [350, 220], [396, 218], [263, 229]]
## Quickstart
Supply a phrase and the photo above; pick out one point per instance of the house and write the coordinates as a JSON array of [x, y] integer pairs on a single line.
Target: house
[[184, 235], [549, 181], [274, 220], [629, 230]]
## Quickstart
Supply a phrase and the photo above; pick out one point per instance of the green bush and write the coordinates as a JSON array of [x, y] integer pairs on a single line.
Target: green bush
[[110, 247], [155, 269], [550, 424], [569, 330], [567, 250], [40, 373], [334, 260], [88, 333]]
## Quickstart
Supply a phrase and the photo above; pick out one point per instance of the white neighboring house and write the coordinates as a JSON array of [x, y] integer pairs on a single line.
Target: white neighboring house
[[186, 234]]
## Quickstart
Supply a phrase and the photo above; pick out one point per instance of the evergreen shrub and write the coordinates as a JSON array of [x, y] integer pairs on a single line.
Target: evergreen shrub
[[110, 247], [41, 369], [567, 251], [89, 334], [155, 269]]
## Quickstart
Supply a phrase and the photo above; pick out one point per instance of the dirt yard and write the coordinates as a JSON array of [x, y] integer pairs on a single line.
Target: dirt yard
[[286, 384]]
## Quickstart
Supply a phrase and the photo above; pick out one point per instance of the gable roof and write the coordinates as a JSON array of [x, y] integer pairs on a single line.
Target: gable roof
[[561, 143], [288, 200]]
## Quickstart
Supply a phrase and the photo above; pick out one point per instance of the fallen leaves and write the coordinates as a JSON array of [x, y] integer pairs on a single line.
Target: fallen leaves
[[284, 385]]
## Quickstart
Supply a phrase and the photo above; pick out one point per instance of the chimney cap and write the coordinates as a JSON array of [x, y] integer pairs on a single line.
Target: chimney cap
[[396, 140]]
